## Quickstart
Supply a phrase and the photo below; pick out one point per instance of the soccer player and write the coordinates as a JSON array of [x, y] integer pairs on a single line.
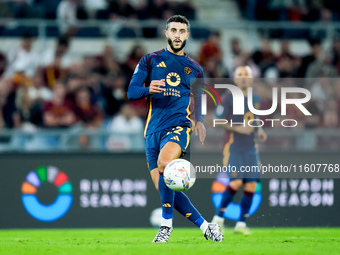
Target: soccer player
[[240, 150], [166, 77]]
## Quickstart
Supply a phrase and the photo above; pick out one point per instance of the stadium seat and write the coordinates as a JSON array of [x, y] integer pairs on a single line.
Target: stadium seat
[[126, 32], [52, 31], [89, 32], [199, 33]]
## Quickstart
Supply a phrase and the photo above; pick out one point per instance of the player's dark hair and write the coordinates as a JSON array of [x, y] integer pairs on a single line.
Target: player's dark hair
[[178, 18]]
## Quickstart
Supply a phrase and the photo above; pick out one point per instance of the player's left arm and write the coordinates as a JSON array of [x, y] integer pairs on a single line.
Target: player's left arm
[[200, 129]]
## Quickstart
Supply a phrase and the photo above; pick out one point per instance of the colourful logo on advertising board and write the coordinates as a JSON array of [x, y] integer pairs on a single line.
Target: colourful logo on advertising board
[[52, 176]]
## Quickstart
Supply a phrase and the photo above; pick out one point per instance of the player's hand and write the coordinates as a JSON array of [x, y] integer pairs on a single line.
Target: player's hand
[[247, 130], [200, 131], [157, 86], [262, 135]]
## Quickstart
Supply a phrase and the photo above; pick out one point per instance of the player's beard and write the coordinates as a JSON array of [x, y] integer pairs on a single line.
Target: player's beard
[[176, 49]]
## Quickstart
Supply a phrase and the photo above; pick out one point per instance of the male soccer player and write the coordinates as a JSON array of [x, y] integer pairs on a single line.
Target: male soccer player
[[240, 150], [166, 75]]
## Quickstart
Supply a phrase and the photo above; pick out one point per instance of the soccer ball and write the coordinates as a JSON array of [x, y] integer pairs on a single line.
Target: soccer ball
[[179, 175]]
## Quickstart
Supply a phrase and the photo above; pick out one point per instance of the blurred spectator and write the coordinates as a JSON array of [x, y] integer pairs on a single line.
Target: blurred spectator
[[182, 7], [23, 58], [234, 57], [264, 57], [90, 118], [321, 90], [211, 49], [129, 66], [126, 122], [307, 60], [61, 51], [312, 121], [121, 9], [23, 107], [53, 72], [319, 30], [330, 119], [73, 84], [67, 16], [58, 113], [7, 105], [286, 53], [92, 7], [39, 95], [88, 114], [286, 64], [322, 67], [108, 63], [211, 69], [336, 53], [3, 63], [114, 94], [157, 9]]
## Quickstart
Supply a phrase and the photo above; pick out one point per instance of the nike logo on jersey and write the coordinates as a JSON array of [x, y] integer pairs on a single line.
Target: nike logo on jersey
[[162, 64]]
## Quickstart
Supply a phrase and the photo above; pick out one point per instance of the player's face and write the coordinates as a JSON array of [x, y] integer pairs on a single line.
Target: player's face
[[243, 77], [177, 34]]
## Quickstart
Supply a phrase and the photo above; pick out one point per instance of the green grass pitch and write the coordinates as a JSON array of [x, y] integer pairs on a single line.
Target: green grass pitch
[[182, 241]]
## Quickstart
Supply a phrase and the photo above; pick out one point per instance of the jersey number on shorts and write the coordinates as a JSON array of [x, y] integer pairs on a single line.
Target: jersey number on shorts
[[176, 130]]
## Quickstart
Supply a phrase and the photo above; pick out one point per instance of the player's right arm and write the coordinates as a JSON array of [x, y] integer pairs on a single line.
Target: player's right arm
[[136, 89]]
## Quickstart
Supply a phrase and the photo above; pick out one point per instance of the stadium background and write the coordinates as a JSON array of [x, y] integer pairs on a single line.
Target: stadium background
[[83, 53]]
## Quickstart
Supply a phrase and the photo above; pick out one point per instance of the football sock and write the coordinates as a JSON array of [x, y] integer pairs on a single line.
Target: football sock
[[246, 200], [167, 199], [228, 196], [183, 205]]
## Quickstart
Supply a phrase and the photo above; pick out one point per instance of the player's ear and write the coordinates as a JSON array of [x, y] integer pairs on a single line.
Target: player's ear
[[166, 33], [188, 35]]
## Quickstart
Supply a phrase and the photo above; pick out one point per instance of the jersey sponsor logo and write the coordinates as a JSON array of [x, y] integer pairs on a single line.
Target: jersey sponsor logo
[[187, 70], [162, 64], [173, 79]]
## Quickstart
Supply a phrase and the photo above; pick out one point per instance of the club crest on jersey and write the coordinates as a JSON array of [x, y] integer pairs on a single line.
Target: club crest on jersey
[[187, 70], [173, 79]]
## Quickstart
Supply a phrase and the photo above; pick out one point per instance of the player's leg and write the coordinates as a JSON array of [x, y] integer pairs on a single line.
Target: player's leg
[[183, 205], [234, 185], [227, 198], [152, 145], [246, 201], [180, 136], [169, 152], [155, 177], [250, 182]]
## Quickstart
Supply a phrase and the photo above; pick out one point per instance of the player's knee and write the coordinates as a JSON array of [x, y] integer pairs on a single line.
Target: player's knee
[[236, 184], [250, 186], [161, 165]]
